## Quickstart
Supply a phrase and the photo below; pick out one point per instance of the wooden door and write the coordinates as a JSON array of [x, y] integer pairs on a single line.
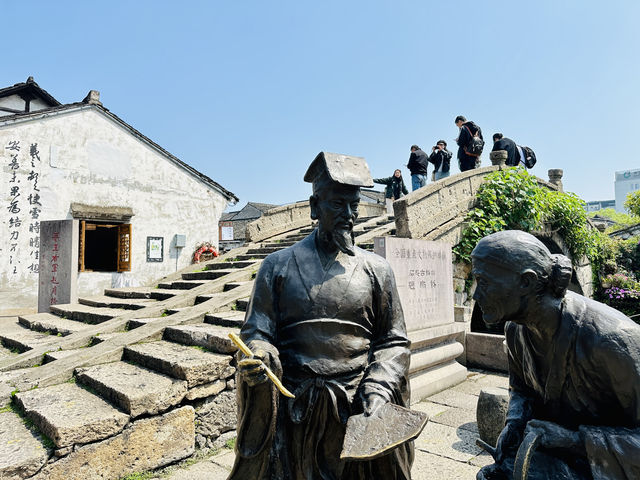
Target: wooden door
[[124, 247]]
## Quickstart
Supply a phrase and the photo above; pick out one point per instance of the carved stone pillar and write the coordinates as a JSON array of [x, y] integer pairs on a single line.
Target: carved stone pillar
[[555, 177]]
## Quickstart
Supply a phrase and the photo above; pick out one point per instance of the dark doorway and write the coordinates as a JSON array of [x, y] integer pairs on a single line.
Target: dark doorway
[[100, 247]]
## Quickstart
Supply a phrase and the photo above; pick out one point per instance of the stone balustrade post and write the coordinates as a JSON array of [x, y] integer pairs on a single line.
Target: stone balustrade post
[[555, 177]]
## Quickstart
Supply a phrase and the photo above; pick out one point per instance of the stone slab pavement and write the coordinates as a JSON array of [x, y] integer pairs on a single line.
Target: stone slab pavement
[[445, 450]]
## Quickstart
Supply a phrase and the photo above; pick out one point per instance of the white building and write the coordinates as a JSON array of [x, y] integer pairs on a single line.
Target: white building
[[627, 181], [80, 161]]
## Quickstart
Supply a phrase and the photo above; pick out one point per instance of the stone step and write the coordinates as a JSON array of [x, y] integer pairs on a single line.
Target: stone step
[[231, 318], [266, 250], [58, 354], [242, 304], [185, 363], [22, 453], [165, 293], [135, 390], [103, 337], [212, 337], [129, 292], [206, 274], [232, 285], [181, 284], [86, 314], [281, 244], [4, 353], [227, 265], [139, 322], [70, 415], [205, 297], [19, 338], [52, 324], [253, 256], [112, 302]]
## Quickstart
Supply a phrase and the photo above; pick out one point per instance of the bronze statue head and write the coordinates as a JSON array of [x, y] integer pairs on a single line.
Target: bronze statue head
[[513, 268], [336, 183]]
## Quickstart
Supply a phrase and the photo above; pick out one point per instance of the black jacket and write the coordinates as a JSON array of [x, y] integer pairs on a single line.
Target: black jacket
[[467, 162], [418, 163], [513, 155], [440, 158], [395, 186]]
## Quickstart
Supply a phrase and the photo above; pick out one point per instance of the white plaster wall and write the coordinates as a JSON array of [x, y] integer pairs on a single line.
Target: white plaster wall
[[86, 157], [12, 101]]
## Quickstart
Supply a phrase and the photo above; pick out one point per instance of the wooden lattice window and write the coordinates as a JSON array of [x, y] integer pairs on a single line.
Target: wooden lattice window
[[124, 247]]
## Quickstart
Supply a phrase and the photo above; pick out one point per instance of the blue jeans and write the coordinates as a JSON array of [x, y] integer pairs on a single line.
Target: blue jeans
[[418, 181], [441, 175]]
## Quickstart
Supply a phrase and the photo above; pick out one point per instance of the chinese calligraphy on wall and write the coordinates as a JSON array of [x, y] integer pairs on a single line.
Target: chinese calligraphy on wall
[[23, 205]]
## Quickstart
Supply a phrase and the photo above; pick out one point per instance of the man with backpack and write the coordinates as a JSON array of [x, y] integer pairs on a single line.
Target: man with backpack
[[515, 153], [470, 144], [500, 142]]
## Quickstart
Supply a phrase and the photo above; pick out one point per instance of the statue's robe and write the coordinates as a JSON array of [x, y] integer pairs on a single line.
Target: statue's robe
[[593, 387], [332, 335]]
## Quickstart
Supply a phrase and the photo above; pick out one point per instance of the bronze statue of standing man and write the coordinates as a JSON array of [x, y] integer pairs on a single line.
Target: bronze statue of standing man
[[325, 316]]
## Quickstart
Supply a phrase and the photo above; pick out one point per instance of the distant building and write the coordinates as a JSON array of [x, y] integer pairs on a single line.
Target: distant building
[[132, 200], [233, 224], [599, 205], [627, 181]]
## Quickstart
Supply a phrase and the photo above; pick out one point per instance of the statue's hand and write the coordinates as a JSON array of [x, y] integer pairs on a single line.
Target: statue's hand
[[508, 442], [553, 435], [372, 402], [491, 472], [252, 370]]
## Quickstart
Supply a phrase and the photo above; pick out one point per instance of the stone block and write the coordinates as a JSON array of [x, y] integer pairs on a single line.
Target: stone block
[[491, 413], [424, 277], [207, 390], [485, 350], [217, 415], [211, 337], [186, 363], [58, 268], [134, 389], [145, 445], [21, 451], [70, 415]]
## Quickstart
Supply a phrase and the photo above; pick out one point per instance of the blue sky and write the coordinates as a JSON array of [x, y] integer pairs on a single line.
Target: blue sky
[[248, 92]]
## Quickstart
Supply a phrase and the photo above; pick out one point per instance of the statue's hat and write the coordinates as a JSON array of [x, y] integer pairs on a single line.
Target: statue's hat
[[342, 169]]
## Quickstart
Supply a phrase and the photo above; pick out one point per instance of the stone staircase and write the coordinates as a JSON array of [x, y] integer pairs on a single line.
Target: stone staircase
[[133, 379]]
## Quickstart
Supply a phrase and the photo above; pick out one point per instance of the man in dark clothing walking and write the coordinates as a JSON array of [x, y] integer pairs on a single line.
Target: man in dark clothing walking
[[500, 142], [467, 160], [441, 158], [418, 163]]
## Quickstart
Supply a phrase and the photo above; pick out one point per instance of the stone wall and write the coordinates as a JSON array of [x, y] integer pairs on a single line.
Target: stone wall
[[295, 215]]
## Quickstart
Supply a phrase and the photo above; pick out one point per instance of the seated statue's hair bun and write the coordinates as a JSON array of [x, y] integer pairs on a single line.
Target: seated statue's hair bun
[[560, 276]]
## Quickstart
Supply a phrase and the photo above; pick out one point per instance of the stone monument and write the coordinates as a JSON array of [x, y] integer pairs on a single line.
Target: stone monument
[[424, 275], [58, 268], [574, 368]]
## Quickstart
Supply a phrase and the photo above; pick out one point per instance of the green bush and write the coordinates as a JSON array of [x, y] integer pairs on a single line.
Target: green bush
[[632, 204], [511, 199]]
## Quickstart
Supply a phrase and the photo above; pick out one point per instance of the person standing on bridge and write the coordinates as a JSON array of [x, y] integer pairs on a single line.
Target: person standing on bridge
[[394, 190], [470, 144], [441, 159], [418, 163]]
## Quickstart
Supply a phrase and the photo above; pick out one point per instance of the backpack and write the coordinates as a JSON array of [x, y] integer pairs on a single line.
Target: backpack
[[528, 157], [475, 145]]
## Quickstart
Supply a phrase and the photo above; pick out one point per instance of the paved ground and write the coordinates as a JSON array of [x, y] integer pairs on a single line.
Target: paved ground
[[445, 450]]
